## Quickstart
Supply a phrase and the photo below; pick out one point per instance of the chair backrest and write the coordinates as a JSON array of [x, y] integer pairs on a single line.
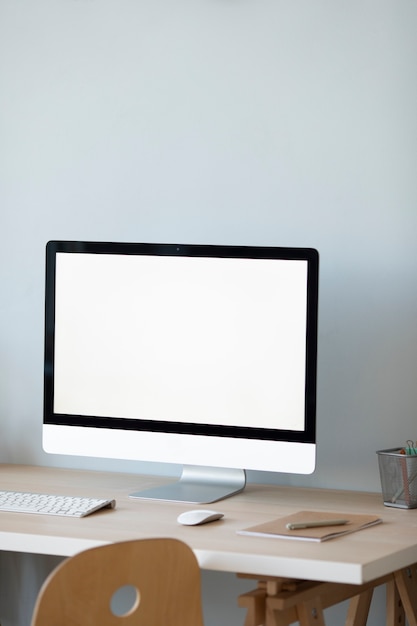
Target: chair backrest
[[162, 576]]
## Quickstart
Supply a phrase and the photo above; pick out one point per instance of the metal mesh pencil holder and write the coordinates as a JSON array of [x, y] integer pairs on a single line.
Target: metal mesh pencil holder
[[398, 474]]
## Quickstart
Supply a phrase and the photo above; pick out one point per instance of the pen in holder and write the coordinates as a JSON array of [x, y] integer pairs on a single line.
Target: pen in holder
[[398, 473]]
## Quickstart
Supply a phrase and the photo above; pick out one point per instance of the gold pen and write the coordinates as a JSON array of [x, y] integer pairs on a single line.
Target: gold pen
[[316, 524]]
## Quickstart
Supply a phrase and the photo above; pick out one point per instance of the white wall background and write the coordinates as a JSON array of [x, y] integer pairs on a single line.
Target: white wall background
[[268, 122]]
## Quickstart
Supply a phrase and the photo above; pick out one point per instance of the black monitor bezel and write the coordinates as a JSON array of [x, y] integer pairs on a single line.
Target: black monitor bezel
[[308, 435]]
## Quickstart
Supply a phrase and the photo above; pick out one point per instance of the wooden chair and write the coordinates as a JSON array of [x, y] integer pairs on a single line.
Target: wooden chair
[[162, 575]]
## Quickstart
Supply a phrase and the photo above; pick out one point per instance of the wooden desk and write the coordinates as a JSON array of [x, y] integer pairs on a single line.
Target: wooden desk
[[289, 573]]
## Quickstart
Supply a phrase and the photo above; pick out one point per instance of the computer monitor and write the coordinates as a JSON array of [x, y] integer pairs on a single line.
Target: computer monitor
[[199, 355]]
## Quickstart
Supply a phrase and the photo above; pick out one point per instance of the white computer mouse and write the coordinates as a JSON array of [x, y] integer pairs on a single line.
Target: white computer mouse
[[198, 516]]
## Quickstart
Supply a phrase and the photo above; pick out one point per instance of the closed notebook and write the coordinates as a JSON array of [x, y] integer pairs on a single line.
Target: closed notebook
[[278, 527]]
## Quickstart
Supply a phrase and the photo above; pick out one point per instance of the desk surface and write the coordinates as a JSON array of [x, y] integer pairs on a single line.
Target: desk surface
[[356, 558]]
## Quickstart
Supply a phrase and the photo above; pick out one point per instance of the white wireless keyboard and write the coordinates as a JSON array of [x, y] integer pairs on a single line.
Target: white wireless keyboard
[[47, 504]]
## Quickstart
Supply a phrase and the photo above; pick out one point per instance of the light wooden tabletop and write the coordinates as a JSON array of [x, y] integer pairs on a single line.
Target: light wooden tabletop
[[356, 558]]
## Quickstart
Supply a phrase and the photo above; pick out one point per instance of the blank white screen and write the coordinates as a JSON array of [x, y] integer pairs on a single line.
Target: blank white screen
[[200, 340]]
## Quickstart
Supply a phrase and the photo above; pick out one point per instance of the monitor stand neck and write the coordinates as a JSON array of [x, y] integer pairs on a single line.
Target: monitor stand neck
[[198, 485]]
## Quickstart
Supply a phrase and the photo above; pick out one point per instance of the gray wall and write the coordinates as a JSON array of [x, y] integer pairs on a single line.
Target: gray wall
[[263, 122]]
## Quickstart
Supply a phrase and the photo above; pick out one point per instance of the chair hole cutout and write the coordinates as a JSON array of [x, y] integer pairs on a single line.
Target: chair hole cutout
[[125, 601]]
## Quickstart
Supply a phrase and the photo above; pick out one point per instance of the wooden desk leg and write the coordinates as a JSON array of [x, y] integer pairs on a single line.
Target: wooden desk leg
[[299, 602], [310, 613], [358, 610], [395, 609], [281, 602], [406, 581], [260, 610], [254, 603]]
